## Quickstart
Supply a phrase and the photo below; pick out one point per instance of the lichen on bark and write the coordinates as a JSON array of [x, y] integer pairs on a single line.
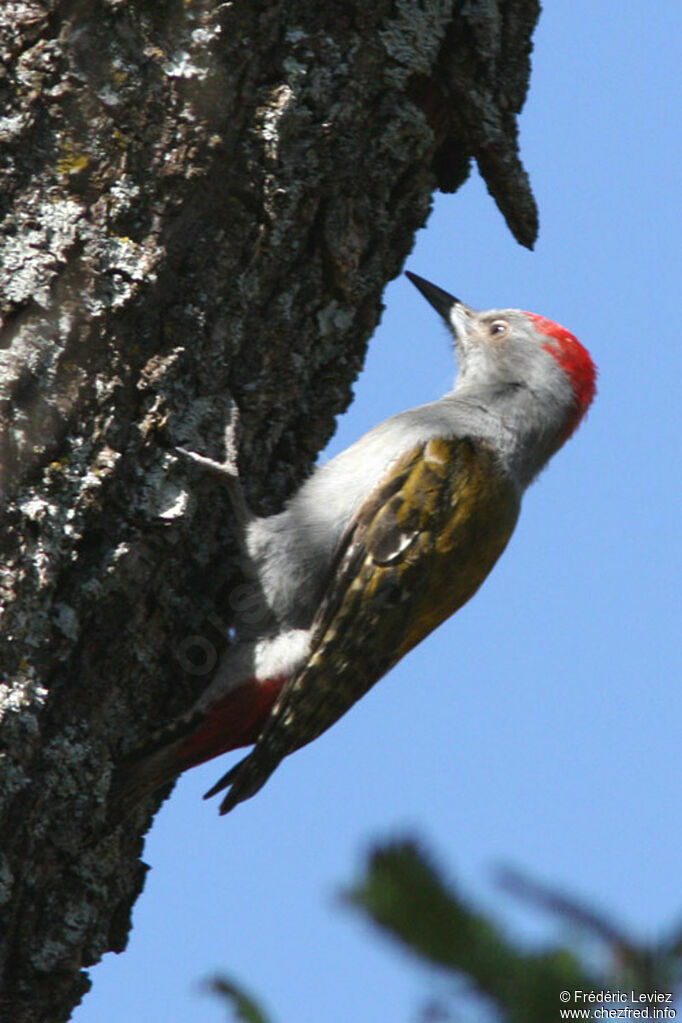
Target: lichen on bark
[[200, 204]]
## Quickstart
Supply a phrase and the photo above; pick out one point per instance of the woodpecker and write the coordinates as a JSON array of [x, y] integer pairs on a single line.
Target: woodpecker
[[378, 547]]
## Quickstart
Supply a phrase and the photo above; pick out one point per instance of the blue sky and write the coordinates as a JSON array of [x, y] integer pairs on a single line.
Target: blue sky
[[540, 727]]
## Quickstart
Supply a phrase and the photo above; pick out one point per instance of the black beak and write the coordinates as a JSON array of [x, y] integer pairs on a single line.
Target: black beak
[[441, 301]]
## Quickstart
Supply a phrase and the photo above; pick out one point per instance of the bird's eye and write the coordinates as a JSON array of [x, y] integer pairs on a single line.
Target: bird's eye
[[498, 328]]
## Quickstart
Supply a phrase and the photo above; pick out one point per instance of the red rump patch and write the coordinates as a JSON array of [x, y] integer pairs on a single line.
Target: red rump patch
[[576, 362], [234, 721]]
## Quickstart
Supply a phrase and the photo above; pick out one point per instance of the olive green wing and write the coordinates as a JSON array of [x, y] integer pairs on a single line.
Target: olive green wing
[[418, 548]]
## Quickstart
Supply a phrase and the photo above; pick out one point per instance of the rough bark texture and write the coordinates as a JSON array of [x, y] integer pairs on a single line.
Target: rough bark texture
[[199, 201]]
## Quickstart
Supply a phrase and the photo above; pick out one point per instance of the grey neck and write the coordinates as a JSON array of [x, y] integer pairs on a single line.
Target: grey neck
[[523, 427]]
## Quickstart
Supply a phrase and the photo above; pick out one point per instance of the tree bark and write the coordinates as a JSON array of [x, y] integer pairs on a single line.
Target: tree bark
[[201, 204]]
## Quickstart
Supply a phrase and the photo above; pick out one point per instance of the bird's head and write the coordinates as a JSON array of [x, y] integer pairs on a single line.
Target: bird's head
[[518, 355]]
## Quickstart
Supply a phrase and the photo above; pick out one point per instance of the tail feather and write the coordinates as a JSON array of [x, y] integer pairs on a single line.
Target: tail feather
[[242, 783], [232, 722], [137, 777], [223, 782]]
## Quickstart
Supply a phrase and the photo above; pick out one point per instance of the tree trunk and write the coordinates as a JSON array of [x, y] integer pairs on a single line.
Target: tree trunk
[[201, 203]]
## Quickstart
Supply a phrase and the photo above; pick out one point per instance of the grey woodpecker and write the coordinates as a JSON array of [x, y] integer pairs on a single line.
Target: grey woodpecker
[[378, 547]]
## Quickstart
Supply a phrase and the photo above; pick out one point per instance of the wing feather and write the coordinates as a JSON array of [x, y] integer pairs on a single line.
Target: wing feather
[[417, 549]]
